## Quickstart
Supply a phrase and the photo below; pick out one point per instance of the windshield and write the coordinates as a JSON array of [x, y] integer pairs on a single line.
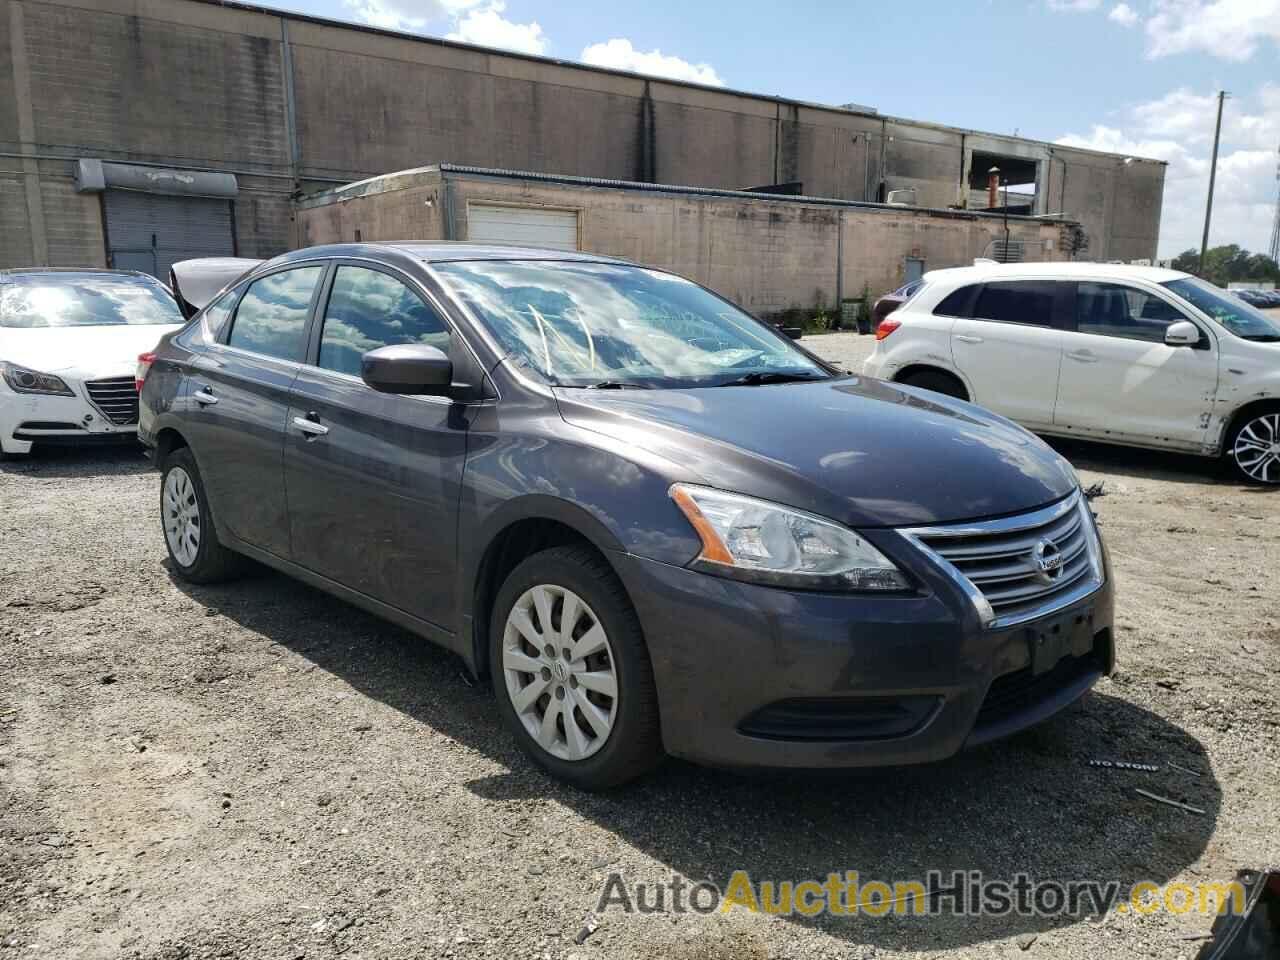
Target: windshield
[[1238, 317], [598, 324], [50, 300]]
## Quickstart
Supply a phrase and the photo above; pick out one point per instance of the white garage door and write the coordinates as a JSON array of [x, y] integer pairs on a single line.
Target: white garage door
[[526, 226]]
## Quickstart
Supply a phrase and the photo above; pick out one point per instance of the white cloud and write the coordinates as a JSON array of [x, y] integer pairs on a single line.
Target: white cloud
[[1123, 14], [1230, 29], [389, 16], [470, 21], [1178, 128], [1074, 6], [488, 27], [621, 55]]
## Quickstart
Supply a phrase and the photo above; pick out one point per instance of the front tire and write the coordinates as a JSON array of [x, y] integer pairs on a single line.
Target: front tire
[[1253, 448], [571, 671], [187, 523]]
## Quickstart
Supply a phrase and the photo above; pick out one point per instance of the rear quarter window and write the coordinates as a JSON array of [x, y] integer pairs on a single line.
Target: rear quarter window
[[958, 303]]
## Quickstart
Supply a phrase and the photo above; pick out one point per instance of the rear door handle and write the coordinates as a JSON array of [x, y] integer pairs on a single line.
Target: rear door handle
[[310, 427], [204, 396], [1083, 356], [968, 338]]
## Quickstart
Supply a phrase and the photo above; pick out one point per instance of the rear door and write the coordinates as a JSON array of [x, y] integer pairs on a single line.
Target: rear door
[[1010, 349], [373, 479], [237, 401], [1119, 378]]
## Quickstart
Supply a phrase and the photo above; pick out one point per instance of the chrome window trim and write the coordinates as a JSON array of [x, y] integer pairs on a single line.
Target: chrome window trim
[[1023, 521]]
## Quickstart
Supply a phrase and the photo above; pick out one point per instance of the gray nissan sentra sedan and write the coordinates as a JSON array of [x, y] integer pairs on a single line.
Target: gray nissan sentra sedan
[[658, 525]]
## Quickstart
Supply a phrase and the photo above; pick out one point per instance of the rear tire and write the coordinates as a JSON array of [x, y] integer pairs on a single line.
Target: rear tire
[[1252, 450], [578, 694], [187, 524], [938, 382]]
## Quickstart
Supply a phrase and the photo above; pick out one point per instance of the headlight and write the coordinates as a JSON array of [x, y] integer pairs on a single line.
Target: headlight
[[757, 540], [22, 380]]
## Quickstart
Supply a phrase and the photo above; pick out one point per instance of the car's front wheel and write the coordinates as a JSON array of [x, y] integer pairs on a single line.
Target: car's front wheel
[[571, 671], [1253, 448], [187, 522]]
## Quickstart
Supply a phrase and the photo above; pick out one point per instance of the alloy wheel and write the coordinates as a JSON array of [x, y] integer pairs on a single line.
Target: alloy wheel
[[181, 516], [560, 672], [1257, 448]]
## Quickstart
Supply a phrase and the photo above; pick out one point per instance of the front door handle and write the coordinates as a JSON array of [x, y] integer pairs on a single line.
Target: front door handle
[[968, 338], [204, 396], [310, 427], [1083, 356]]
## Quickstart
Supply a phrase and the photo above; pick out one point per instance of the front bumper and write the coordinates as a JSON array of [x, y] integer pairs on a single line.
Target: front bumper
[[753, 676], [27, 418]]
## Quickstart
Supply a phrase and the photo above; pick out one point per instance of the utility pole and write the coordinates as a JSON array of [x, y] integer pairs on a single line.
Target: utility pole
[[1275, 227], [1213, 171]]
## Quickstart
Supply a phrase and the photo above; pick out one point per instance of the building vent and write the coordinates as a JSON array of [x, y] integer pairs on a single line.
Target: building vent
[[1009, 251]]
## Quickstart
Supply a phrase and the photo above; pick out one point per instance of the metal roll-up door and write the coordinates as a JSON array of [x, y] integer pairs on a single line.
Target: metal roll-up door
[[150, 231], [525, 226]]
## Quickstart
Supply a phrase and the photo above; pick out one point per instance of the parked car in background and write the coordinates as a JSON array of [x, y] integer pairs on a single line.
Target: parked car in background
[[1121, 354], [892, 301], [69, 342], [656, 523], [1255, 298]]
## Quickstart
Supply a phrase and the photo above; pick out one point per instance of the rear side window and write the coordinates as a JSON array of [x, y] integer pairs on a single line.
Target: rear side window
[[958, 303], [217, 314], [369, 309], [1028, 302], [272, 316]]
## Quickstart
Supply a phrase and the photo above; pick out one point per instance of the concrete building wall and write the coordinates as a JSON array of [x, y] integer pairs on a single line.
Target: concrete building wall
[[199, 85], [768, 255]]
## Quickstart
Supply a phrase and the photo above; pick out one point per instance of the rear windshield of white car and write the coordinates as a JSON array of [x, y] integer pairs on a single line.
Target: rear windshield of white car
[[50, 300], [1246, 322]]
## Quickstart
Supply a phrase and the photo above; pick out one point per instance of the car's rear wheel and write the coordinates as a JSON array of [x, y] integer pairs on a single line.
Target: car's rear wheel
[[938, 382], [1253, 448], [571, 671], [185, 517]]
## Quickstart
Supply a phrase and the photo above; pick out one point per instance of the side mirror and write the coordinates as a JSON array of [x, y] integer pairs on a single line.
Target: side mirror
[[408, 368], [1182, 334], [792, 333]]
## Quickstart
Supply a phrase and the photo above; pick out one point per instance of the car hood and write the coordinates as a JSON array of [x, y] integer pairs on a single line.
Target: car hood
[[81, 352], [858, 450]]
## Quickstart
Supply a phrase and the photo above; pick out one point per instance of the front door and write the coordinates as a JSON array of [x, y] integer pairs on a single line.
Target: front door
[[373, 479], [238, 398], [1011, 348], [1119, 378]]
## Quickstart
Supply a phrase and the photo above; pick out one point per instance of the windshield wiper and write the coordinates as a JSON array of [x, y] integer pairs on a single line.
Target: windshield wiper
[[1263, 337], [759, 377], [618, 385]]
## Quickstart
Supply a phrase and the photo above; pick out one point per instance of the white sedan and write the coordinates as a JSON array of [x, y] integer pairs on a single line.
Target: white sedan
[[69, 346]]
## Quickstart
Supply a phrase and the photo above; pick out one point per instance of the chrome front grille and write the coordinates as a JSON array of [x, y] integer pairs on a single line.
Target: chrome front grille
[[116, 398], [1022, 567]]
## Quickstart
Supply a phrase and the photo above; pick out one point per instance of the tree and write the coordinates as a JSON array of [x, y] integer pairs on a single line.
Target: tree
[[1229, 264]]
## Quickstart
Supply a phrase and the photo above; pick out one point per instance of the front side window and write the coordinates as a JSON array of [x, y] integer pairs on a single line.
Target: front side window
[[1246, 322], [587, 324], [1114, 310], [368, 309], [1027, 302], [272, 316], [84, 300]]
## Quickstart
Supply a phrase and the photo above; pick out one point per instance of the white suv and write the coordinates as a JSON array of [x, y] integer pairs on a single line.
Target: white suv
[[1133, 355]]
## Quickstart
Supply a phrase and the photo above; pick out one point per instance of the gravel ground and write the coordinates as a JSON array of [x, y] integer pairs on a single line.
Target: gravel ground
[[258, 770]]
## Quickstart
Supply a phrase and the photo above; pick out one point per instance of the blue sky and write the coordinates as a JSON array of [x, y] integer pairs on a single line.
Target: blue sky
[[1135, 77]]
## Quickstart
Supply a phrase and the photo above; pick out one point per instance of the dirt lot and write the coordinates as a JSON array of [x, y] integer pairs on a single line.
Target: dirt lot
[[257, 770]]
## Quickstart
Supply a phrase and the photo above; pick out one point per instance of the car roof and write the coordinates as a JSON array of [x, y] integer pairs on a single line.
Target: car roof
[[451, 251], [72, 273], [1055, 268]]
